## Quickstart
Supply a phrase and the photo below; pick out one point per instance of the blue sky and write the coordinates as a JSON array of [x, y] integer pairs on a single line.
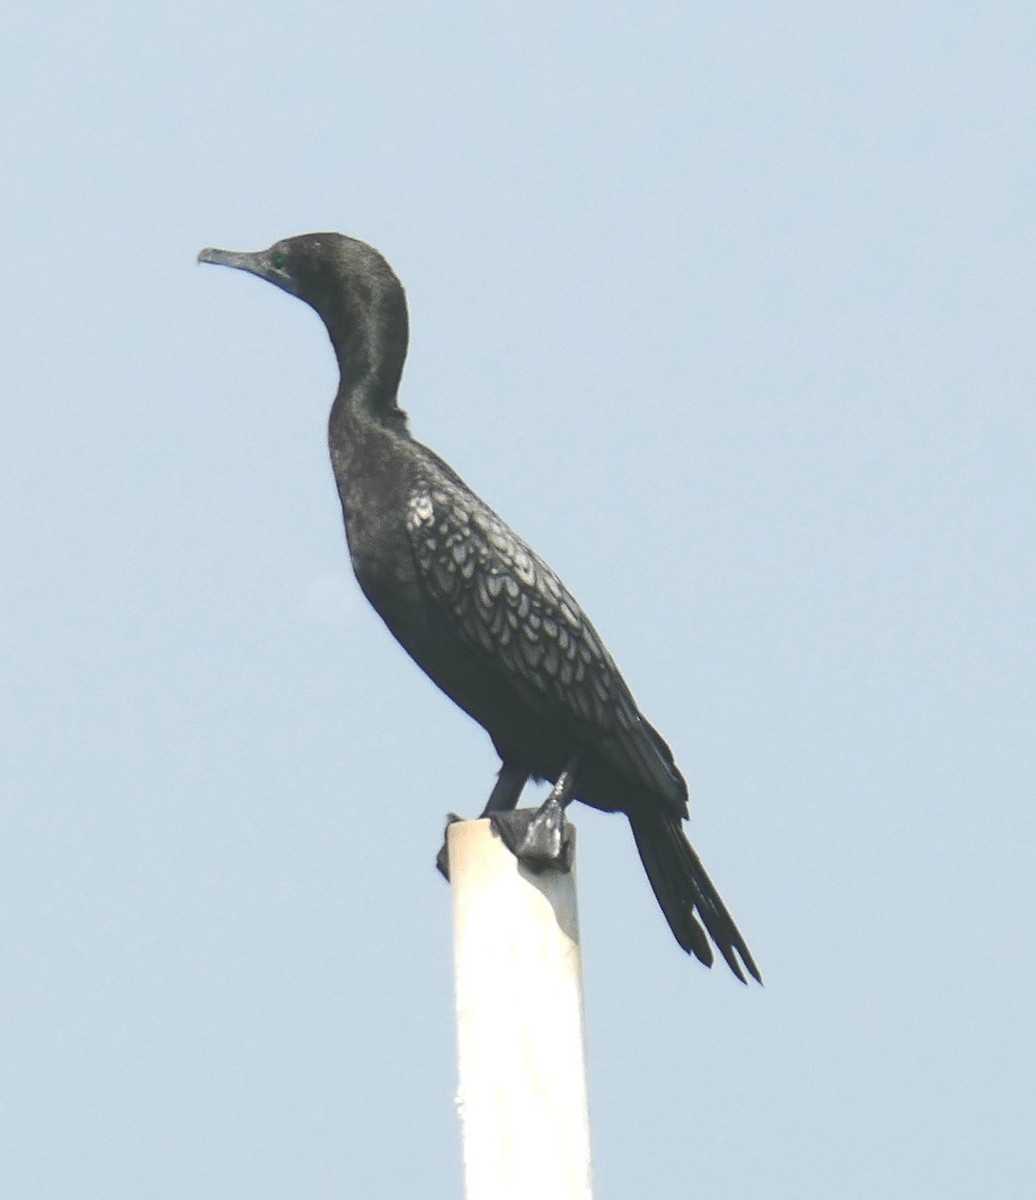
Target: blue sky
[[728, 309]]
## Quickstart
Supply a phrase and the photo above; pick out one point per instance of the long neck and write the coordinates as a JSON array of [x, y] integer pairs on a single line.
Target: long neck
[[370, 343]]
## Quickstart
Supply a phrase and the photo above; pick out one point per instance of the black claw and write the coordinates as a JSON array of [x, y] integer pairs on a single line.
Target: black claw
[[537, 837], [442, 859]]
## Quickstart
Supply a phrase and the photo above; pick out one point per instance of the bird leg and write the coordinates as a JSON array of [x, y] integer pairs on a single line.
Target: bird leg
[[508, 789], [539, 838], [504, 796]]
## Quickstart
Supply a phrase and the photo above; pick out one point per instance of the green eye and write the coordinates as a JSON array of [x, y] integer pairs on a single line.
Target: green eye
[[278, 259]]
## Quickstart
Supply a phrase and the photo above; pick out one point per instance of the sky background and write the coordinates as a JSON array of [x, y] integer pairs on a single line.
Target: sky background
[[728, 309]]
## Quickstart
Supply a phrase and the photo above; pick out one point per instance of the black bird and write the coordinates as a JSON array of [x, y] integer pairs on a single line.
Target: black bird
[[478, 611]]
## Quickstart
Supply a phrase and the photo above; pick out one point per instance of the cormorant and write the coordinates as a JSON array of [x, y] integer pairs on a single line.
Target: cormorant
[[479, 612]]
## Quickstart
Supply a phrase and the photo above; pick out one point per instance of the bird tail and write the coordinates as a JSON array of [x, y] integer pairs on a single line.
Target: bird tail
[[685, 893]]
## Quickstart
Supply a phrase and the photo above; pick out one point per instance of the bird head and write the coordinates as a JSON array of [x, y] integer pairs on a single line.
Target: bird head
[[329, 271]]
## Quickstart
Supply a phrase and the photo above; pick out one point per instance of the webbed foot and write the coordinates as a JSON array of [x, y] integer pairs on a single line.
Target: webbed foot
[[442, 859], [537, 837]]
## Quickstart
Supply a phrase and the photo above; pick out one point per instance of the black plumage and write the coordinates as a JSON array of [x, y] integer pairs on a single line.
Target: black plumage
[[483, 615]]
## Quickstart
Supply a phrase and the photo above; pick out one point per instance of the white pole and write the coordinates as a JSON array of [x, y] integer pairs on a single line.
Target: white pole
[[522, 1096]]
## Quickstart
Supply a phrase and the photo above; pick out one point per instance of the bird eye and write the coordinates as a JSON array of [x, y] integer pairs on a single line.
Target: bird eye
[[278, 259]]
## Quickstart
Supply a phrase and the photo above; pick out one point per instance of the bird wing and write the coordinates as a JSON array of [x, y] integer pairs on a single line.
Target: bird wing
[[507, 601]]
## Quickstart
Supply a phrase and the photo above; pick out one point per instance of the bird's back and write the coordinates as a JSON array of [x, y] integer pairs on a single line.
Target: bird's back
[[494, 626]]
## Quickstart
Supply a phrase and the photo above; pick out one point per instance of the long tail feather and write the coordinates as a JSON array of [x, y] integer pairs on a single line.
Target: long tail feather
[[687, 896]]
